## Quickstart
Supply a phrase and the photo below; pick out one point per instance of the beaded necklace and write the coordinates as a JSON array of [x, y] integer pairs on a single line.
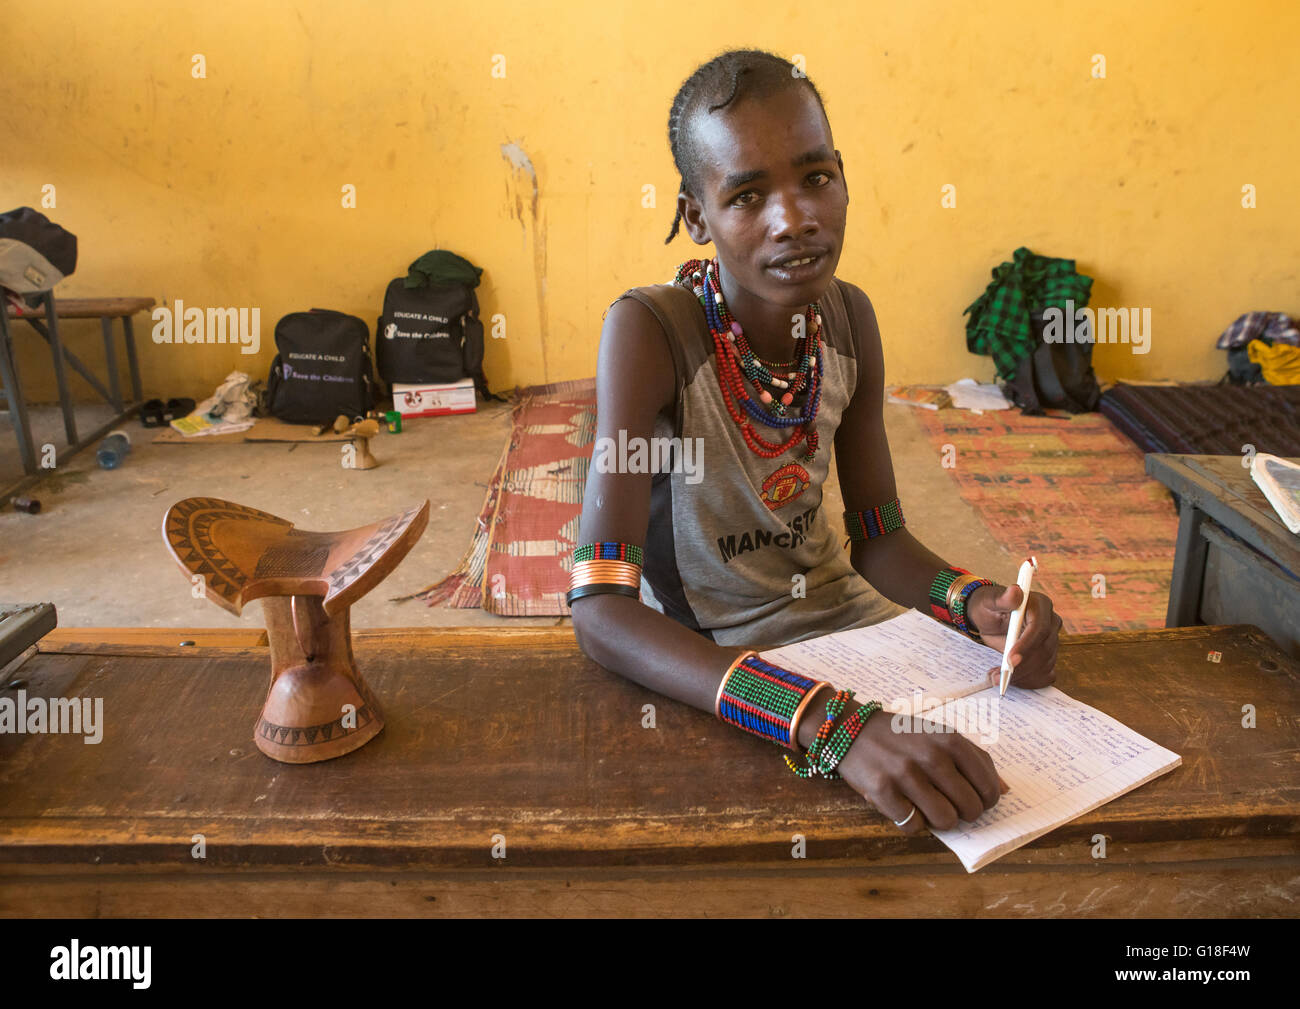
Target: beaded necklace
[[735, 358]]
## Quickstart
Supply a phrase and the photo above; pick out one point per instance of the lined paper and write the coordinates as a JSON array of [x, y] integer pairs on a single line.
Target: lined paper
[[894, 661], [1060, 757]]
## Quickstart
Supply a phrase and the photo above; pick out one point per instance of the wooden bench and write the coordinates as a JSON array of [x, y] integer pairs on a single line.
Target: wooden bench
[[44, 318]]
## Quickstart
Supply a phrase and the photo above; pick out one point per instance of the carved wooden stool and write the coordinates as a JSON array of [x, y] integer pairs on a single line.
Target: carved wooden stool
[[318, 706]]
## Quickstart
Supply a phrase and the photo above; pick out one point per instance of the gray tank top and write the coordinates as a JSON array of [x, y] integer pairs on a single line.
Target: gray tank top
[[729, 530]]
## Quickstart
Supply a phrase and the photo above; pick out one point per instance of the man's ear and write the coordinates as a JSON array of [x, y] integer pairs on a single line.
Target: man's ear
[[693, 219], [840, 161]]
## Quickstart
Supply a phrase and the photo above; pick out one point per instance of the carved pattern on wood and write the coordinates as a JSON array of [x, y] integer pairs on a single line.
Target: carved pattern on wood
[[309, 735], [371, 550], [292, 562], [189, 524]]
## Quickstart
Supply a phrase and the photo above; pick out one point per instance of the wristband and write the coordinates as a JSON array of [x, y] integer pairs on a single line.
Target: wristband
[[603, 568], [949, 593], [764, 699], [866, 525], [598, 589]]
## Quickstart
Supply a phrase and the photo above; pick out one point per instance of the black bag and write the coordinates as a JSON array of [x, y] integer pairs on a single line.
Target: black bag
[[430, 334], [1056, 376], [35, 253], [322, 369]]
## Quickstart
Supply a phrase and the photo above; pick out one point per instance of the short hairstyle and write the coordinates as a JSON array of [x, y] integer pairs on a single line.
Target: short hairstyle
[[715, 85]]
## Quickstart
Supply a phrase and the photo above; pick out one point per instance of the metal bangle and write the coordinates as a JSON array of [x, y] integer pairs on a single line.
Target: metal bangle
[[600, 588], [799, 713]]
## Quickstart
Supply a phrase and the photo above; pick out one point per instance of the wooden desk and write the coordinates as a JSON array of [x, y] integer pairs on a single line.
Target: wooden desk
[[1236, 562], [513, 732]]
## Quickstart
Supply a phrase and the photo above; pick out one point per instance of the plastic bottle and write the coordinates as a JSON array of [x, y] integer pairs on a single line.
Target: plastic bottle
[[113, 449]]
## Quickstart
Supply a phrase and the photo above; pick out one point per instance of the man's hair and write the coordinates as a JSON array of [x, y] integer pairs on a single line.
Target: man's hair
[[714, 85]]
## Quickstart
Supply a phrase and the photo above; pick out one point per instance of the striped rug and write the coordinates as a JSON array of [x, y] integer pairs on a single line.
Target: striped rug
[[1073, 491], [517, 563]]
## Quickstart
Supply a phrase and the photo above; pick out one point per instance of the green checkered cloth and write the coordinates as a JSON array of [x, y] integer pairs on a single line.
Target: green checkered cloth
[[1000, 320]]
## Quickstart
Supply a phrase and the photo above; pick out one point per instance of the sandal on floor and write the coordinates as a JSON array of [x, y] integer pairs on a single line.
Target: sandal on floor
[[177, 408], [151, 413]]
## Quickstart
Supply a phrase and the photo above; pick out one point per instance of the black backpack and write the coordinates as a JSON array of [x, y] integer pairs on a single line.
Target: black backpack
[[1056, 376], [322, 369], [430, 334], [35, 253]]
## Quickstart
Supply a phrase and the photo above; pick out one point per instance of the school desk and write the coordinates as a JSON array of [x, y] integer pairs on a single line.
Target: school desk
[[510, 741], [1235, 560], [44, 319]]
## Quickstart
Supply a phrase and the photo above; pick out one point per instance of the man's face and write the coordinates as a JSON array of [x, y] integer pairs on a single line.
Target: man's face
[[773, 186]]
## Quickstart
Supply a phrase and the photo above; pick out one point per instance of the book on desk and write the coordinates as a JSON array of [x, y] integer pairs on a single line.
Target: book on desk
[[1060, 757]]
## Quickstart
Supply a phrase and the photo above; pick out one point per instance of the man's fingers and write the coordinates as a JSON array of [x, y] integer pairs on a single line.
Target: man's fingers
[[939, 813], [1035, 629], [895, 805], [958, 789], [976, 766]]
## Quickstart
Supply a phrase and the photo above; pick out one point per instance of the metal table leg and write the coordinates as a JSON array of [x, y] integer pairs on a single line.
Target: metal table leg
[[110, 356], [14, 394], [60, 372], [131, 359]]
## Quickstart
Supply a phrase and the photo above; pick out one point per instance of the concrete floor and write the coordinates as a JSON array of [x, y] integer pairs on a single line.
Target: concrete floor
[[95, 550]]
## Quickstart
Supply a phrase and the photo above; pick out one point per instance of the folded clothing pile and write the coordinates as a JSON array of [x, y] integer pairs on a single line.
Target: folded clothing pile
[[1262, 347]]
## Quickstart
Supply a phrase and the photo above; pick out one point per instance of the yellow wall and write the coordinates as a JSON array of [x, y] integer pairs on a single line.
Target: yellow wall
[[226, 191]]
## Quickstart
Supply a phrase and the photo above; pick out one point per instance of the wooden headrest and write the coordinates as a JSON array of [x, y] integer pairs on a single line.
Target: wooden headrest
[[244, 554]]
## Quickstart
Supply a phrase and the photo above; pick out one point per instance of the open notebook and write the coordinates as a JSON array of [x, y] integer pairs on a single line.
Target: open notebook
[[1060, 757]]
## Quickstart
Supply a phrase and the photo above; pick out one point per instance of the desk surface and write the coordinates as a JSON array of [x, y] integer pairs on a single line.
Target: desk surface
[[1222, 488], [514, 732], [86, 308]]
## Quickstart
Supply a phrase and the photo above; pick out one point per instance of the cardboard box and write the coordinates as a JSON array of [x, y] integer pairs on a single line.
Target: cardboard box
[[434, 400]]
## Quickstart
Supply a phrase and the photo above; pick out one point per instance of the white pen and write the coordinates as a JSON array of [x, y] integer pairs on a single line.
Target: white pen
[[1025, 579]]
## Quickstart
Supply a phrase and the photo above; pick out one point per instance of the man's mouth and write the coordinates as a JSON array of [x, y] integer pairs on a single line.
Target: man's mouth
[[799, 269]]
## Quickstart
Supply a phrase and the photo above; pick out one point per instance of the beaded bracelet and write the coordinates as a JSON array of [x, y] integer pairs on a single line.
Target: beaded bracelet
[[949, 593], [961, 596], [842, 738], [868, 525], [833, 740], [813, 757], [600, 568], [764, 699], [608, 551]]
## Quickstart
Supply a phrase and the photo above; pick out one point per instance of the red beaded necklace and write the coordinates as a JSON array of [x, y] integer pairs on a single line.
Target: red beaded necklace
[[734, 358]]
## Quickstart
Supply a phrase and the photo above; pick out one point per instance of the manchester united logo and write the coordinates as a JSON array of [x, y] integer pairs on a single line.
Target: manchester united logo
[[785, 485]]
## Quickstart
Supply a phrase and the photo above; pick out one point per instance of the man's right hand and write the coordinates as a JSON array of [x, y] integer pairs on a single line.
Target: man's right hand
[[945, 776]]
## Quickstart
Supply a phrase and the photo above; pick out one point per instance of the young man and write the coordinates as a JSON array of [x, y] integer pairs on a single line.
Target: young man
[[757, 361]]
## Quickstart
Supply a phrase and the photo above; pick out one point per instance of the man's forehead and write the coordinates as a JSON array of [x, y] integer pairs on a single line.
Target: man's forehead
[[755, 136]]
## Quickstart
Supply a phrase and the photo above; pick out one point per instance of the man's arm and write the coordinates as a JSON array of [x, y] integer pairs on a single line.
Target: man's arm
[[634, 381], [897, 564]]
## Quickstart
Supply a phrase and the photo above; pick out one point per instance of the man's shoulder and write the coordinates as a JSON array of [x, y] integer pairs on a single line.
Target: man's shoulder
[[657, 293], [854, 297]]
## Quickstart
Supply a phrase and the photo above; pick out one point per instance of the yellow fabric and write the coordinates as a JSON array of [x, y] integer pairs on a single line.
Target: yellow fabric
[[1280, 363]]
